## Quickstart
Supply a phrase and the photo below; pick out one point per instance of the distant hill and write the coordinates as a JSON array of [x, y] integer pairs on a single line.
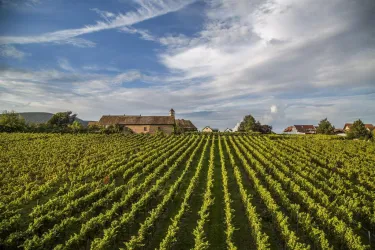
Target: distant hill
[[43, 117]]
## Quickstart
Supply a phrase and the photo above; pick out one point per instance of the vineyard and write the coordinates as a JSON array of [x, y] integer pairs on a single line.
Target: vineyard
[[213, 191]]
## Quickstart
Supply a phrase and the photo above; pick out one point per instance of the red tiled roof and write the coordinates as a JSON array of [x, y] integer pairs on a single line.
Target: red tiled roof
[[348, 125], [301, 128], [305, 128], [369, 126], [288, 129]]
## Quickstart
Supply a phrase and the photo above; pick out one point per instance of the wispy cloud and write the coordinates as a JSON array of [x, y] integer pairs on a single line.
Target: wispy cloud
[[170, 41], [94, 67], [11, 51], [64, 64], [146, 10], [77, 42]]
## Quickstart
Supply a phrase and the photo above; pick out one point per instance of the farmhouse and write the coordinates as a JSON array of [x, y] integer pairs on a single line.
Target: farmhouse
[[347, 126], [208, 129], [147, 124], [300, 129], [228, 130], [185, 125]]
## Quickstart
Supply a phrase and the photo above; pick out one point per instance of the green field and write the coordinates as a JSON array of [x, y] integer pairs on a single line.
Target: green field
[[186, 192]]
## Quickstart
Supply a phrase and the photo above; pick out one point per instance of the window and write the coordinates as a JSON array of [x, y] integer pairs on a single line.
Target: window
[[144, 128]]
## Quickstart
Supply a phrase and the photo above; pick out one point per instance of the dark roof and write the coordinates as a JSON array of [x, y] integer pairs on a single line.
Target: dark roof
[[305, 128], [301, 128], [186, 124], [338, 130], [136, 120]]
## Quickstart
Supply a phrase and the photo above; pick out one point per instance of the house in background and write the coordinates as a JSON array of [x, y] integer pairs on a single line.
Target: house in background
[[145, 124], [228, 130], [208, 129], [93, 123], [300, 129], [339, 131], [347, 126], [185, 126]]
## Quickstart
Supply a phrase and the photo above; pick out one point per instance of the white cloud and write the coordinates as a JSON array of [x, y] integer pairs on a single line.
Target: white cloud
[[235, 129], [146, 10], [273, 109], [275, 47], [11, 51], [64, 64]]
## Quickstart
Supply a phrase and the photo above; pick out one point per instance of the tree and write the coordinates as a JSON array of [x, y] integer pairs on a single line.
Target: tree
[[93, 128], [76, 126], [325, 127], [358, 130], [62, 119], [266, 129], [11, 122], [249, 124]]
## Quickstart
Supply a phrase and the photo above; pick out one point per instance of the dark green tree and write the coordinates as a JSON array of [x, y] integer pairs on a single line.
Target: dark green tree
[[249, 124], [266, 129], [358, 130], [12, 122], [325, 127], [62, 119]]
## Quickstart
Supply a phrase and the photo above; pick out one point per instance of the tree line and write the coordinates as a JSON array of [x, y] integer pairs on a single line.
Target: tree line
[[65, 122], [357, 131], [61, 122]]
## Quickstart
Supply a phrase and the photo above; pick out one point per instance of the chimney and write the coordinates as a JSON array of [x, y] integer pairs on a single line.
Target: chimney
[[171, 113]]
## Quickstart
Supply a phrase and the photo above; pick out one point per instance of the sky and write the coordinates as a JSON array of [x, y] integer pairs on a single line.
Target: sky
[[285, 62]]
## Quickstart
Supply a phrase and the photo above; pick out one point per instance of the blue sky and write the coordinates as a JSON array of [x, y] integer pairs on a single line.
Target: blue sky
[[283, 61]]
